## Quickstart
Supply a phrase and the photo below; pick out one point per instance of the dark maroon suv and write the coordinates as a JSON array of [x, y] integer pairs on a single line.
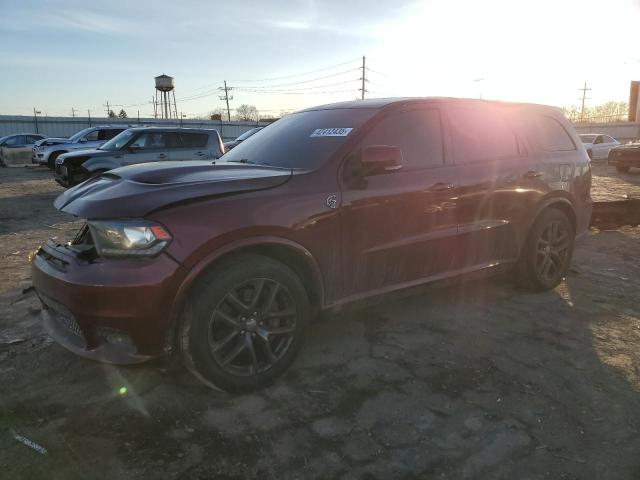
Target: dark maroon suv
[[227, 261]]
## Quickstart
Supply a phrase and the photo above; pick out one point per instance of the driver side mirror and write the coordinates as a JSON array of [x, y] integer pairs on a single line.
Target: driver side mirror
[[377, 159], [134, 147]]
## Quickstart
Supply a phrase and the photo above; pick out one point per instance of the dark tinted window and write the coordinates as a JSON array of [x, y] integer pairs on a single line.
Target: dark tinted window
[[608, 139], [481, 134], [109, 134], [417, 133], [301, 140], [549, 134], [189, 140], [33, 138]]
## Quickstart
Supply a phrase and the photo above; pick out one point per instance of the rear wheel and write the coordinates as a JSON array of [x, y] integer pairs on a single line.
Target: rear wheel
[[547, 253], [245, 324], [622, 169]]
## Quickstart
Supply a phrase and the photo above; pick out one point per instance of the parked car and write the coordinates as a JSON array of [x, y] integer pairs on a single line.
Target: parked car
[[234, 143], [46, 152], [625, 157], [16, 147], [139, 145], [598, 145], [226, 263]]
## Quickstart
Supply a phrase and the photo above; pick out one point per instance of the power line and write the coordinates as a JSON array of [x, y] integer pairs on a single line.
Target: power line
[[309, 80], [294, 89]]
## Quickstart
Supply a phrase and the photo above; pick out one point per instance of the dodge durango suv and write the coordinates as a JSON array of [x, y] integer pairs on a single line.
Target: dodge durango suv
[[139, 145], [226, 262]]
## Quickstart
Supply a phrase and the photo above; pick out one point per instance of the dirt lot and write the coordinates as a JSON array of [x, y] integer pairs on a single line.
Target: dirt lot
[[474, 381]]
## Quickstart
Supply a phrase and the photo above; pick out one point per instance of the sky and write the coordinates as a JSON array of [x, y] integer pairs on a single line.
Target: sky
[[283, 56]]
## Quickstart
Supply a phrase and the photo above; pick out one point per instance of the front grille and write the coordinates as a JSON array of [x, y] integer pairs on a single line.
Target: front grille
[[62, 317]]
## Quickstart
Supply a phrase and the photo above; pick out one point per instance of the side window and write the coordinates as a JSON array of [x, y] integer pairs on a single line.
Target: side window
[[92, 136], [33, 138], [418, 133], [608, 139], [598, 140], [108, 134], [550, 134], [190, 140], [17, 140], [481, 134], [149, 140]]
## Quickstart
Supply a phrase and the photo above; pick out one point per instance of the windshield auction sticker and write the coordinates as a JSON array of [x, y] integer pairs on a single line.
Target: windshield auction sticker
[[330, 132]]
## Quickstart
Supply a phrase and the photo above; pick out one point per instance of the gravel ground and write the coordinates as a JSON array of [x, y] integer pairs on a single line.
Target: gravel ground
[[477, 380]]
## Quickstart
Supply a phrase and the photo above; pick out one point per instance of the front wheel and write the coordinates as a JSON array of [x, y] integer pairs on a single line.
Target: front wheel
[[245, 323], [547, 252], [51, 163]]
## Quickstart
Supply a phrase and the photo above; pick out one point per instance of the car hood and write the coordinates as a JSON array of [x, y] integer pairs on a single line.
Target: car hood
[[137, 190], [51, 141], [628, 146], [91, 152]]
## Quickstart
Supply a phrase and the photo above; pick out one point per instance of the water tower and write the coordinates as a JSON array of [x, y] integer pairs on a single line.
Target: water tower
[[162, 105]]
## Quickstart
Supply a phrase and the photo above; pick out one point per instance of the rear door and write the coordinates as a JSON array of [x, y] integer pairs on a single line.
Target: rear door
[[498, 183], [399, 228], [190, 146], [148, 146]]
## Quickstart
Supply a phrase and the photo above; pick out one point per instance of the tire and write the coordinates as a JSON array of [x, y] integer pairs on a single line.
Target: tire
[[229, 344], [547, 252], [622, 169], [51, 162]]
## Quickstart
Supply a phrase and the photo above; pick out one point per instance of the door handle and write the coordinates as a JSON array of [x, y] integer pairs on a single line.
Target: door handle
[[162, 155], [441, 186], [200, 154], [533, 174]]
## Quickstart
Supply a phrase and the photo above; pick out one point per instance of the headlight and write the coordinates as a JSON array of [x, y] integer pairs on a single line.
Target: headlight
[[128, 238]]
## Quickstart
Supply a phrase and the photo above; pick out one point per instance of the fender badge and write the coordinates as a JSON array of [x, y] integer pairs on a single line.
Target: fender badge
[[332, 201]]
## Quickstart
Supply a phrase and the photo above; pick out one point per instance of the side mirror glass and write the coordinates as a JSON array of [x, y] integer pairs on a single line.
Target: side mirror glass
[[377, 159]]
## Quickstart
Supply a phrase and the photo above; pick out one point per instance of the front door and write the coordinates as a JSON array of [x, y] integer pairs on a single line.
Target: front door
[[399, 227], [149, 146]]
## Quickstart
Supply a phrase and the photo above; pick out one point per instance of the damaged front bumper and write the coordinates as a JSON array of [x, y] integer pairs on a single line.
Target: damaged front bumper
[[111, 311]]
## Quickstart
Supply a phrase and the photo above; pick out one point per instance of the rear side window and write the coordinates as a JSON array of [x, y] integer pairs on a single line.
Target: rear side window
[[33, 138], [481, 134], [549, 134], [418, 133], [189, 140]]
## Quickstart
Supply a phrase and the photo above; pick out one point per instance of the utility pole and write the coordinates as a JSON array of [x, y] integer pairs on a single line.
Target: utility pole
[[226, 98], [584, 97], [363, 78], [73, 112], [35, 118], [108, 109], [89, 116]]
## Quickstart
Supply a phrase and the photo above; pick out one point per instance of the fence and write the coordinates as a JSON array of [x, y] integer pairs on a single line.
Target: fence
[[621, 131], [66, 126]]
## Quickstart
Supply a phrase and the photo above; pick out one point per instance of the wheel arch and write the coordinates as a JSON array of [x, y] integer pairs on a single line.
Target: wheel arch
[[559, 201], [286, 251]]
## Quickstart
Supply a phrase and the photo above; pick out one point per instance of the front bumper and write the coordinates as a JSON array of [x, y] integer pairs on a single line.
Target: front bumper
[[40, 157], [111, 310]]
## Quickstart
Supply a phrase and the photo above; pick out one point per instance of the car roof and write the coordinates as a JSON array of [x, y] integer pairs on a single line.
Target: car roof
[[174, 129], [379, 103]]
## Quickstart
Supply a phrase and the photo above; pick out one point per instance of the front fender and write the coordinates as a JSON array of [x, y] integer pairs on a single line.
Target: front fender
[[96, 164]]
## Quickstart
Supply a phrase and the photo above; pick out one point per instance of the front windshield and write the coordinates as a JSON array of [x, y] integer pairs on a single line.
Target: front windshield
[[246, 135], [301, 140], [117, 142], [79, 135], [587, 138]]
